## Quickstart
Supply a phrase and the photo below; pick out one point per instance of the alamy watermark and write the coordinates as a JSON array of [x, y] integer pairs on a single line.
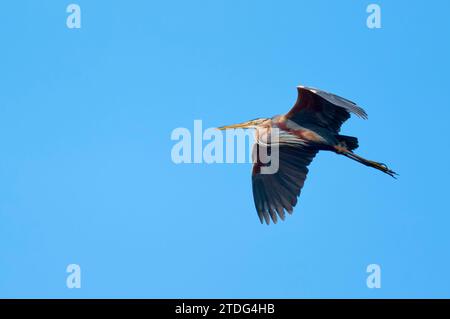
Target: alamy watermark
[[73, 20], [374, 279], [374, 19], [73, 280], [230, 146]]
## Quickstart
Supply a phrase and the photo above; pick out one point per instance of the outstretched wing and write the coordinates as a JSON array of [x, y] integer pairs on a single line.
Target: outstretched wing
[[276, 193], [318, 108]]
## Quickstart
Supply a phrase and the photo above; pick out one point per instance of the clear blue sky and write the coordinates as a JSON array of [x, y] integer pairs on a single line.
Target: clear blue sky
[[86, 175]]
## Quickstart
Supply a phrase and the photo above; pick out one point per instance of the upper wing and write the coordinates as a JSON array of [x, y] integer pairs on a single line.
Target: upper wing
[[275, 193], [316, 107]]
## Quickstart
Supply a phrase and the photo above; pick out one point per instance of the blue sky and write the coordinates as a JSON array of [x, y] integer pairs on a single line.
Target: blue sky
[[86, 175]]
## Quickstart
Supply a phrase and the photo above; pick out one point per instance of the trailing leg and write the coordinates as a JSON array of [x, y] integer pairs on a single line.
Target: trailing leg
[[379, 166]]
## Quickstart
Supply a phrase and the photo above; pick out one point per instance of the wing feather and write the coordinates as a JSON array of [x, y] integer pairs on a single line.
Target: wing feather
[[275, 194], [319, 108]]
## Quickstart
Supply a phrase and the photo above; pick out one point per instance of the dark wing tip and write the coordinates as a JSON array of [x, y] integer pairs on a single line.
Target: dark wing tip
[[275, 195], [337, 100]]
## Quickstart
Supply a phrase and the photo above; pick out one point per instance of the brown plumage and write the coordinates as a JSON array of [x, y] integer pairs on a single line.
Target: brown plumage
[[312, 125]]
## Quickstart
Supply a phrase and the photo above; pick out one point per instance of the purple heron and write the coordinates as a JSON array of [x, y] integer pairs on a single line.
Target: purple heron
[[312, 125]]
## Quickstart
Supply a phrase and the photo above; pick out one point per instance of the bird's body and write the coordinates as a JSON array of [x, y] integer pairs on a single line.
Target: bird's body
[[312, 125]]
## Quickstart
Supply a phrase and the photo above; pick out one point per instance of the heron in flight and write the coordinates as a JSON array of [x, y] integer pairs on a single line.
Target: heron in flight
[[312, 125]]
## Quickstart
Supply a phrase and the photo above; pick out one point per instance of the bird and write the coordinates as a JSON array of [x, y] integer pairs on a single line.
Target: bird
[[311, 125]]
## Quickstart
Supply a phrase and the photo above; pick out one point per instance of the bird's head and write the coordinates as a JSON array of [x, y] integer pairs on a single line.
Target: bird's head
[[249, 124]]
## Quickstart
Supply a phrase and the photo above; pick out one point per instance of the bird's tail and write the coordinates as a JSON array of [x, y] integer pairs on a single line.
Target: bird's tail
[[350, 142], [379, 166]]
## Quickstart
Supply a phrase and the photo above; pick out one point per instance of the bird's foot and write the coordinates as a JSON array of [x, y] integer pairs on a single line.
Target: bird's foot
[[382, 167]]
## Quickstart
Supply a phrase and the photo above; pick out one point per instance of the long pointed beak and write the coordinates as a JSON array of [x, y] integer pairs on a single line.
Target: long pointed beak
[[240, 125]]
